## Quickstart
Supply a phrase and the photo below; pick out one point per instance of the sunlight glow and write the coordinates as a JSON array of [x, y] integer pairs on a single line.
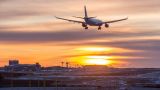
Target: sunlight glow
[[97, 60], [90, 59], [98, 49], [98, 57]]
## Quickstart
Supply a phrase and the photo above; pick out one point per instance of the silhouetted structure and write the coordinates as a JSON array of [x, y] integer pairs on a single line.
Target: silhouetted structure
[[13, 62], [15, 66], [67, 64], [62, 63]]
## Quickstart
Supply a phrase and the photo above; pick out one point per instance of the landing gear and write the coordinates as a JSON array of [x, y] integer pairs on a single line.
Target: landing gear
[[86, 27], [99, 28]]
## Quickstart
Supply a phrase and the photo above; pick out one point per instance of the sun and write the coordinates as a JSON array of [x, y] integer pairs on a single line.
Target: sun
[[97, 60], [89, 56]]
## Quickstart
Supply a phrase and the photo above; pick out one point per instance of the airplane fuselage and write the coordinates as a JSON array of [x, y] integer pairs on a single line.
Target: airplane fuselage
[[93, 22]]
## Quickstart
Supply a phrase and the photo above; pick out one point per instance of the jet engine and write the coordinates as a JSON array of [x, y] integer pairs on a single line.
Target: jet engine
[[106, 25]]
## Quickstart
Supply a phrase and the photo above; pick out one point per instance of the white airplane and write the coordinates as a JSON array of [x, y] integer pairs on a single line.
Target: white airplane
[[91, 21]]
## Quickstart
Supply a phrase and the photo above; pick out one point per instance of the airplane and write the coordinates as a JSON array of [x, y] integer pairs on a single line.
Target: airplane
[[91, 21]]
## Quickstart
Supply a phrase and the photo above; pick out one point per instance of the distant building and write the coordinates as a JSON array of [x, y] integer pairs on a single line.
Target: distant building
[[15, 66], [13, 62]]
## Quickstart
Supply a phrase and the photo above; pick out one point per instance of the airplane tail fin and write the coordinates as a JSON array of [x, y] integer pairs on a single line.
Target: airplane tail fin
[[85, 10]]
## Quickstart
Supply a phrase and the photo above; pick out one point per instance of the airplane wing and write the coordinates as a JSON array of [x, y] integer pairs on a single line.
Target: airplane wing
[[75, 21], [113, 21]]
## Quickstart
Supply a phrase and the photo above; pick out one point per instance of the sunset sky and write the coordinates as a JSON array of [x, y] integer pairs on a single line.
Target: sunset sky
[[30, 33]]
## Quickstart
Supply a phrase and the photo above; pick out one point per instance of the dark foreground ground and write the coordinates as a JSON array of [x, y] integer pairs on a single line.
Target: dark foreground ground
[[121, 79]]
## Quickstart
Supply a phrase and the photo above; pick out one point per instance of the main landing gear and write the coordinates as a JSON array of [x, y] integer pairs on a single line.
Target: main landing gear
[[99, 28], [86, 27]]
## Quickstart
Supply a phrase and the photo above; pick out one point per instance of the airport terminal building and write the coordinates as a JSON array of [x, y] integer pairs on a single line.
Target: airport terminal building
[[15, 66]]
